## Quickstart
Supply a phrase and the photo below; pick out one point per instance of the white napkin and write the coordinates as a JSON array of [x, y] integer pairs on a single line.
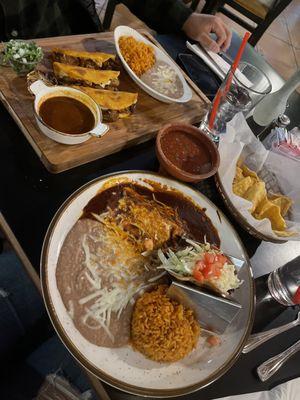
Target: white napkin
[[286, 391], [222, 66], [240, 142]]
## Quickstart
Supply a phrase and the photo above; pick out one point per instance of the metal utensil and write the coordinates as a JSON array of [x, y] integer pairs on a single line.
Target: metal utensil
[[272, 365], [216, 68], [226, 57], [257, 339], [214, 313], [201, 74]]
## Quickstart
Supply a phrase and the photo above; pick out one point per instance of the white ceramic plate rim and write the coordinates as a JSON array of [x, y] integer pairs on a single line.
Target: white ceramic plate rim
[[97, 183]]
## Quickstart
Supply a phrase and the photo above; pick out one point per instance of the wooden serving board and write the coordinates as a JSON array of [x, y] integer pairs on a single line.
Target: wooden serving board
[[150, 114]]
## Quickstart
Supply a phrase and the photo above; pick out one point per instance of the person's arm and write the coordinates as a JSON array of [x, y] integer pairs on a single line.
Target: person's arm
[[169, 16], [164, 16]]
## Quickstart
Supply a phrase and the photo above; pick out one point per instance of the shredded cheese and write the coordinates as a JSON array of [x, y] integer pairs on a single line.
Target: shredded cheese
[[164, 80], [71, 309], [105, 301]]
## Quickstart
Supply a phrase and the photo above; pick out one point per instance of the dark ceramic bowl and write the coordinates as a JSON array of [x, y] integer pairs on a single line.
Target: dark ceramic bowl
[[202, 139]]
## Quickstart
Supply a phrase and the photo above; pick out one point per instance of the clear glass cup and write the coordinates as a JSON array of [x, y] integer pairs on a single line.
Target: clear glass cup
[[284, 283], [248, 87]]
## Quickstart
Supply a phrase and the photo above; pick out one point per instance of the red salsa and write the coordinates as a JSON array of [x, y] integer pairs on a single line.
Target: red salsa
[[186, 152]]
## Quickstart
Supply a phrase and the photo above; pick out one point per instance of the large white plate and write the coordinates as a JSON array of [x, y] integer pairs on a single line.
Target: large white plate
[[160, 56], [124, 368]]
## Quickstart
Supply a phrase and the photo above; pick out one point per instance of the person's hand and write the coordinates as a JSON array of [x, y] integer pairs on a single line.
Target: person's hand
[[199, 27]]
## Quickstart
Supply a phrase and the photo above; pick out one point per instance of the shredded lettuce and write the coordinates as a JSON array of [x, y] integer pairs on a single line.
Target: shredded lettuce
[[183, 261]]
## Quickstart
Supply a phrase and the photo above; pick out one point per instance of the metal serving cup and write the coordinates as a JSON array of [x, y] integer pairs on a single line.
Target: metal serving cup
[[214, 313]]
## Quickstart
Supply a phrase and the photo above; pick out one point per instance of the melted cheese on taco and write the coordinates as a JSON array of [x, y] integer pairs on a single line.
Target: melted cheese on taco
[[86, 59], [114, 105], [85, 76]]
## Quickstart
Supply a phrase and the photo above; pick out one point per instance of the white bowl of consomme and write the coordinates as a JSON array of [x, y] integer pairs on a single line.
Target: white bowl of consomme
[[65, 114]]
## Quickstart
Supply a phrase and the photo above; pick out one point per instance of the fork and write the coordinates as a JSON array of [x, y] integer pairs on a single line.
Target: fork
[[272, 365], [257, 339]]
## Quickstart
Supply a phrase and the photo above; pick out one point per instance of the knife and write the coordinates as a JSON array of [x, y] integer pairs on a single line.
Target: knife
[[226, 57]]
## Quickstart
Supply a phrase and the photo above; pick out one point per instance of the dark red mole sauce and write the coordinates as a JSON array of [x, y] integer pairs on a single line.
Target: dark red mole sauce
[[186, 152], [196, 221]]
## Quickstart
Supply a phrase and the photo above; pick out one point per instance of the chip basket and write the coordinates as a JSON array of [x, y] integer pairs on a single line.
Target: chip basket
[[239, 217]]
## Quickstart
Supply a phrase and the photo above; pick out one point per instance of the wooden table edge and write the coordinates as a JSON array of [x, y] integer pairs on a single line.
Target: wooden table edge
[[17, 120]]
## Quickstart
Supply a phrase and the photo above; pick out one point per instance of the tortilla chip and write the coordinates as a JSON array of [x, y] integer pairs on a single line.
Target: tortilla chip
[[284, 202], [285, 233], [240, 188], [239, 163], [264, 203], [256, 193], [238, 174], [248, 172], [272, 206], [271, 211]]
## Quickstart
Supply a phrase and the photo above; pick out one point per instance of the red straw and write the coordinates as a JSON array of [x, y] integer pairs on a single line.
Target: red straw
[[234, 66], [237, 60], [214, 110]]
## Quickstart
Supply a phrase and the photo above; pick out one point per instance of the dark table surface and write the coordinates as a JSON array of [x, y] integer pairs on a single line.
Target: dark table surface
[[30, 196]]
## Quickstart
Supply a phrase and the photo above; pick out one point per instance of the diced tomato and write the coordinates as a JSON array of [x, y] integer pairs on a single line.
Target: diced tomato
[[209, 258], [217, 272], [296, 298], [221, 258], [210, 266], [197, 272], [212, 270], [217, 265], [208, 271], [198, 275], [213, 340], [200, 265]]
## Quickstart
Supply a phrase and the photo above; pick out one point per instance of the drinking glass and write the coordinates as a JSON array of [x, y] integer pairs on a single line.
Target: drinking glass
[[284, 283], [247, 88]]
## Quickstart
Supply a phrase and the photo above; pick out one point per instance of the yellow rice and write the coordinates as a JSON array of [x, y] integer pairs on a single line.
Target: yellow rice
[[161, 328], [138, 55]]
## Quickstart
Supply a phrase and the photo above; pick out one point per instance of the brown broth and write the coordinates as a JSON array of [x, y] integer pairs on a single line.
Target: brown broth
[[197, 222], [67, 115]]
